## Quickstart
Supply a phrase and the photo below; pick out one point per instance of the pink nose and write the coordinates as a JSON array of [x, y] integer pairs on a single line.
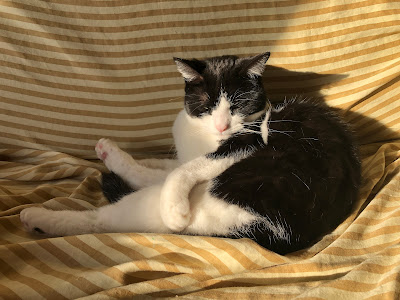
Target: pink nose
[[222, 128]]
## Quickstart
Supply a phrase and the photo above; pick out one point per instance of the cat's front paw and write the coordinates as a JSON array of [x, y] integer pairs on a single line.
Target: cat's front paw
[[176, 214], [175, 207], [37, 220]]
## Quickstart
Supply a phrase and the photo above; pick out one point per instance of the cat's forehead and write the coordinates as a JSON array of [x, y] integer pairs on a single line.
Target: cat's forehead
[[219, 65]]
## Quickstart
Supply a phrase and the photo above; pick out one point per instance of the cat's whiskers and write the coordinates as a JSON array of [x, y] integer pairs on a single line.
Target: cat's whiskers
[[244, 93], [298, 177], [250, 131], [191, 95], [253, 122], [197, 106], [244, 131], [281, 131], [246, 99], [276, 121], [237, 127], [176, 98], [235, 94]]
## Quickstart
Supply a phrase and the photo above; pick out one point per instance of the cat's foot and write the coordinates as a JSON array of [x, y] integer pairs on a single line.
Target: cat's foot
[[175, 207], [109, 153], [104, 148], [38, 220]]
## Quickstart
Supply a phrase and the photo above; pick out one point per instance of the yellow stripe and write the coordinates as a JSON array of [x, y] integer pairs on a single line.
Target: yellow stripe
[[209, 257], [221, 46], [40, 287], [201, 35], [195, 10]]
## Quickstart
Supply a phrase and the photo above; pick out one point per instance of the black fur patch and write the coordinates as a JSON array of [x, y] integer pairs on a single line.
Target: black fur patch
[[307, 177], [114, 187]]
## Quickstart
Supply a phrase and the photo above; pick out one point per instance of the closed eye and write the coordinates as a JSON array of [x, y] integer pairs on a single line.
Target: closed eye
[[204, 97]]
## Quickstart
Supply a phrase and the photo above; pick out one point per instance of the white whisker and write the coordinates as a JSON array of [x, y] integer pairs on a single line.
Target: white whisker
[[277, 121], [301, 180], [282, 132]]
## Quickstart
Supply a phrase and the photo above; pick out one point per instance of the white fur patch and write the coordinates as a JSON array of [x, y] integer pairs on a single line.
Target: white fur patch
[[221, 115], [192, 136], [213, 216], [264, 126], [277, 229]]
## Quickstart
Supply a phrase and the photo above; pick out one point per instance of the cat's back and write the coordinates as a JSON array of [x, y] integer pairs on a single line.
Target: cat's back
[[303, 121]]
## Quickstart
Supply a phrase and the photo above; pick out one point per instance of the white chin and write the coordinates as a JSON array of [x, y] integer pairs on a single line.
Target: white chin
[[224, 134]]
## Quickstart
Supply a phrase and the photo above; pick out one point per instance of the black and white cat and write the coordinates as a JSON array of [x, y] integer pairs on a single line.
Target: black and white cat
[[283, 176]]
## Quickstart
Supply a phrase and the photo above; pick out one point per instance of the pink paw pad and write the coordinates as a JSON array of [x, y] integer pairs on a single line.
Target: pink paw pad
[[104, 155]]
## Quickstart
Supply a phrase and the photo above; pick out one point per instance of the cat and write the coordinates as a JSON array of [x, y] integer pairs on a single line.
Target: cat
[[283, 175]]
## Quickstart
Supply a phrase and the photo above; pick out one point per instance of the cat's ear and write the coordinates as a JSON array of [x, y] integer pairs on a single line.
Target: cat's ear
[[190, 69], [255, 66]]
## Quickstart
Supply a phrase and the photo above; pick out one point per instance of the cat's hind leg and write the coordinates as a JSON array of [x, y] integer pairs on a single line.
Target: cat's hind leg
[[163, 163], [136, 212], [60, 223], [121, 163]]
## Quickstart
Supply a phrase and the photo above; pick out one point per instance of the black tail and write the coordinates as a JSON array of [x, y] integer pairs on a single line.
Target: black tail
[[114, 187]]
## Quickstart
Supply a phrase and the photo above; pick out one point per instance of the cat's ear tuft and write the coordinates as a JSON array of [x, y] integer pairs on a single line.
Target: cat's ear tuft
[[256, 65], [190, 69]]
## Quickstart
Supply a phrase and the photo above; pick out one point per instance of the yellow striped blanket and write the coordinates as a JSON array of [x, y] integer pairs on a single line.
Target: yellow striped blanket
[[73, 71]]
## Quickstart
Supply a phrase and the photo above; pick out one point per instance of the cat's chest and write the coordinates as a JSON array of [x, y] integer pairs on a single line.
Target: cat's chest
[[191, 139]]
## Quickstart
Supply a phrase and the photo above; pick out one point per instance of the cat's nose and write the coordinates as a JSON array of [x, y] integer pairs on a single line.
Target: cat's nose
[[222, 127]]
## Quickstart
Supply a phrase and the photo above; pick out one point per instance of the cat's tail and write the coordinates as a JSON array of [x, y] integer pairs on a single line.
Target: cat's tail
[[114, 187]]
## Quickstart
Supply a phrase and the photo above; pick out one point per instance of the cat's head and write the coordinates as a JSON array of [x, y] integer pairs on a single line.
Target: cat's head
[[221, 93]]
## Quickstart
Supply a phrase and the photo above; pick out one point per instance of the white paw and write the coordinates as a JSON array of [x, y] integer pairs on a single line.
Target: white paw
[[175, 207], [37, 220], [108, 152], [104, 147], [176, 216]]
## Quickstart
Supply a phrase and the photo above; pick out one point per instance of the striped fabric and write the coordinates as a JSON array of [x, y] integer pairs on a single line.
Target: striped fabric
[[73, 71]]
